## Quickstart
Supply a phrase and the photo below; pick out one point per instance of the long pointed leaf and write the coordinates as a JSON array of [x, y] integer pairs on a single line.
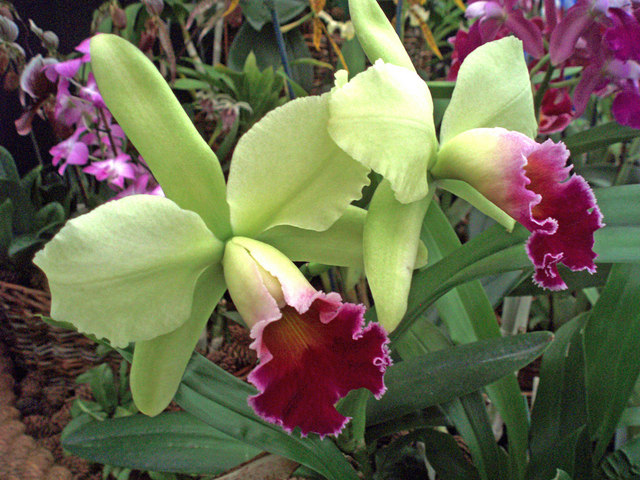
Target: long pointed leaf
[[220, 399]]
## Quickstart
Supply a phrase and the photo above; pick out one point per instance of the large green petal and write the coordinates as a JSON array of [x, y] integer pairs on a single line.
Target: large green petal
[[492, 90], [159, 363], [340, 245], [384, 119], [376, 35], [153, 119], [127, 270], [286, 170], [391, 242]]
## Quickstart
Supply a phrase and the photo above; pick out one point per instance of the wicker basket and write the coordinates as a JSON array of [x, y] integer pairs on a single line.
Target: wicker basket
[[56, 352]]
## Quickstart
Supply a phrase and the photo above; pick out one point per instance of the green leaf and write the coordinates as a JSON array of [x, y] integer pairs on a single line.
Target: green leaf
[[470, 417], [612, 358], [257, 13], [6, 230], [442, 375], [469, 316], [492, 90], [559, 414], [8, 169], [340, 245], [159, 363], [261, 42], [600, 136], [190, 84], [445, 455], [383, 118], [376, 35], [286, 170], [391, 241], [171, 442], [220, 399], [127, 271], [101, 381], [153, 119]]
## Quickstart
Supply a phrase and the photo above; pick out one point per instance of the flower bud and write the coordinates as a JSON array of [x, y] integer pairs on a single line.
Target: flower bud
[[11, 81], [8, 30], [118, 17], [50, 40]]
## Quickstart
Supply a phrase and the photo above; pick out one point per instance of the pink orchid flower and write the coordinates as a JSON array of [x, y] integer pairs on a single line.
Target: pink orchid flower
[[113, 170], [72, 151]]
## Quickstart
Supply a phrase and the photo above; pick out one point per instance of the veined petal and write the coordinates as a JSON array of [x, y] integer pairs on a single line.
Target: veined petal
[[150, 114], [159, 363], [492, 90], [383, 118], [127, 271], [340, 245], [301, 334], [529, 181], [391, 242], [286, 170]]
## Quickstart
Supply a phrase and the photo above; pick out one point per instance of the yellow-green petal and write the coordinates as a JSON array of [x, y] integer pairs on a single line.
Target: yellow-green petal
[[286, 170], [391, 246], [159, 363], [492, 90], [153, 119], [339, 245], [376, 35], [383, 118], [127, 270]]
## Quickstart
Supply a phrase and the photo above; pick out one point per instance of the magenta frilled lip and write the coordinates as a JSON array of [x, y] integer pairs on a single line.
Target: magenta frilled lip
[[559, 210], [311, 359]]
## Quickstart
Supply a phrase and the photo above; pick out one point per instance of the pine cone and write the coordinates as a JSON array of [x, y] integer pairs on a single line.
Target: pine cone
[[58, 473], [38, 426]]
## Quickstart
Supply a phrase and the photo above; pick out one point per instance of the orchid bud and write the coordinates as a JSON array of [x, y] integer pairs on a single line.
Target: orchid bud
[[118, 17], [4, 61], [50, 40], [8, 30], [154, 7]]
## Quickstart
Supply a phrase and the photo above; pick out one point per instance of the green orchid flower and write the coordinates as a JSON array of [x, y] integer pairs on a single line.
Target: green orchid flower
[[486, 154], [150, 270]]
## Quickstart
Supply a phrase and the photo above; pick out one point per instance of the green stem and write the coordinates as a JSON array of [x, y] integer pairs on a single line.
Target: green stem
[[281, 47], [565, 83], [537, 99], [541, 63], [399, 29]]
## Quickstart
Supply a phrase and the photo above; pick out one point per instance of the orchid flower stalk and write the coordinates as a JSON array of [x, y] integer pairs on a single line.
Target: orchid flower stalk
[[150, 270], [486, 155]]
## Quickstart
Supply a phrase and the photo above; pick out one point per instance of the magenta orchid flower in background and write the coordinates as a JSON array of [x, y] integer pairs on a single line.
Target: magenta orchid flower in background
[[70, 68], [150, 270], [494, 16], [556, 111], [301, 334], [113, 170], [72, 151]]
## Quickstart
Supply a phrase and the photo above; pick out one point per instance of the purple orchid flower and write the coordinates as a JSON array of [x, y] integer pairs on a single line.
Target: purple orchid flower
[[69, 68], [91, 93], [72, 151], [626, 106], [141, 185], [555, 111], [502, 14], [113, 170]]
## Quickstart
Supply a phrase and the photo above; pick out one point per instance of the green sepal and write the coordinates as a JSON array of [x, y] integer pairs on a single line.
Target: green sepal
[[127, 271], [492, 90], [391, 241], [376, 35], [158, 364], [153, 119], [383, 118], [286, 170], [340, 244], [474, 197]]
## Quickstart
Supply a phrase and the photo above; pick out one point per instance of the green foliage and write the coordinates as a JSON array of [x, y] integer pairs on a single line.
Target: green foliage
[[32, 210]]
